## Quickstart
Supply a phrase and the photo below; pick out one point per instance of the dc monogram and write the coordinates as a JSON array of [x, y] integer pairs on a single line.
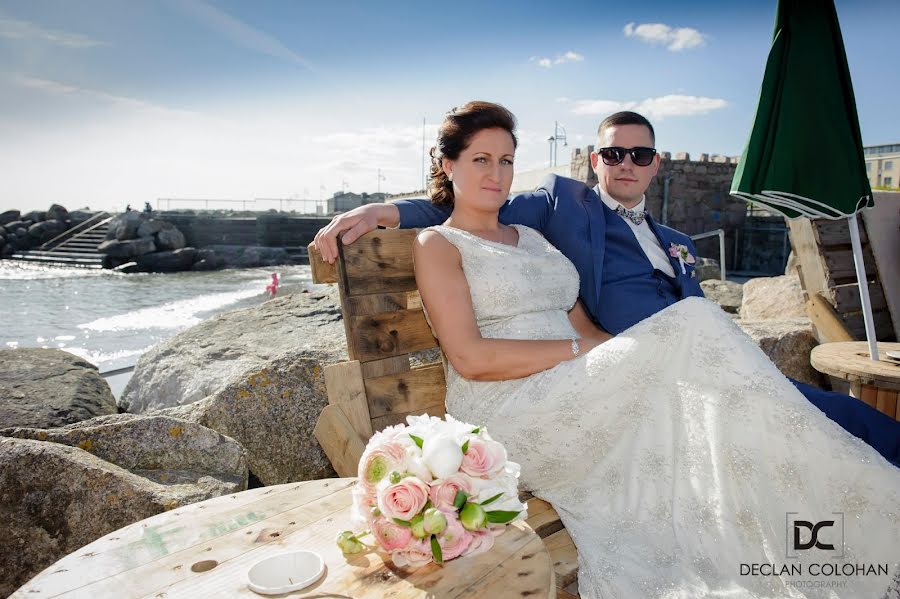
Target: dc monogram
[[804, 535], [813, 535]]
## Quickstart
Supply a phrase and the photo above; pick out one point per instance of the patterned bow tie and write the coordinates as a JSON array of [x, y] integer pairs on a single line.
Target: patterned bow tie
[[635, 216]]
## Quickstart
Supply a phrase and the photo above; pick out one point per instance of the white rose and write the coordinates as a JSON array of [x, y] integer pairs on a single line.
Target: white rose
[[443, 455]]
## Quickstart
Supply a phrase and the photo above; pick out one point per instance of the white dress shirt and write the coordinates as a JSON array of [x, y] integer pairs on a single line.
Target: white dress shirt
[[644, 234]]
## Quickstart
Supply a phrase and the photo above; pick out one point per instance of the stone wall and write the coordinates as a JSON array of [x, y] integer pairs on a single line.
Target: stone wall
[[268, 230]]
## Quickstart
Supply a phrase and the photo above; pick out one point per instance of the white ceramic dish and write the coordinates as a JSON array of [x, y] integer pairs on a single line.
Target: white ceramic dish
[[285, 572]]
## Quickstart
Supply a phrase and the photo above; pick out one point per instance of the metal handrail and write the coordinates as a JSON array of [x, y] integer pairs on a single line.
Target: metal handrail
[[721, 235], [74, 230]]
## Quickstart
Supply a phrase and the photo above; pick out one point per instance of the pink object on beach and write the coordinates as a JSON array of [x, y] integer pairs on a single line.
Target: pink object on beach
[[272, 288]]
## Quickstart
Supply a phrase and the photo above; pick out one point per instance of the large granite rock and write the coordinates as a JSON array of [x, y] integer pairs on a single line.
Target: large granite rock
[[46, 388], [237, 256], [10, 216], [57, 212], [170, 238], [55, 498], [788, 344], [193, 460], [773, 298], [128, 248], [125, 225], [272, 411], [204, 359], [725, 293], [707, 268], [168, 261]]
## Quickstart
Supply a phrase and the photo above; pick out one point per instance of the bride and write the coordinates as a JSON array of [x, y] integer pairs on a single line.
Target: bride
[[681, 461]]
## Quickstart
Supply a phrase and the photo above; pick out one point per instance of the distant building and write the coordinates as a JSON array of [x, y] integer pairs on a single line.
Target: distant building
[[342, 202], [883, 165]]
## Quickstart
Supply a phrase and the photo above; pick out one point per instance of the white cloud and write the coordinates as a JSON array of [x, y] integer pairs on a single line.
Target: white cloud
[[656, 108], [24, 30], [674, 38], [240, 32], [547, 63]]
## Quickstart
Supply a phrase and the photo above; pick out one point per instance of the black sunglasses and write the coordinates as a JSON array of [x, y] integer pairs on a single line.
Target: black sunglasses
[[614, 155]]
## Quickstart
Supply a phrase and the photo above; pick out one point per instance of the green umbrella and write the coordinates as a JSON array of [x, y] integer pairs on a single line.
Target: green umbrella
[[804, 156]]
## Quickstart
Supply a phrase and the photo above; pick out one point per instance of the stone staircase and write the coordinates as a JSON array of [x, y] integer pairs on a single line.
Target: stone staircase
[[74, 247]]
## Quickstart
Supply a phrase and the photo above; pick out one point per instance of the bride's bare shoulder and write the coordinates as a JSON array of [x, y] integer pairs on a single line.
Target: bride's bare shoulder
[[432, 246]]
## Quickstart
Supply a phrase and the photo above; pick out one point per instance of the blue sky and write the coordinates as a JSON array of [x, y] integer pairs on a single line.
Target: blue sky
[[104, 102]]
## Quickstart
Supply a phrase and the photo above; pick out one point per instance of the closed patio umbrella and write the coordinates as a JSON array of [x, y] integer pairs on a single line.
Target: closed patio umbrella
[[804, 156]]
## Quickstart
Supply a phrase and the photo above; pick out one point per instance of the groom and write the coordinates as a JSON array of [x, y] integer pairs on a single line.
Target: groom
[[630, 266]]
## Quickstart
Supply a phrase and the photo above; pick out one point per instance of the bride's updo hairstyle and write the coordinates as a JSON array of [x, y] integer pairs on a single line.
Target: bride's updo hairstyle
[[454, 135]]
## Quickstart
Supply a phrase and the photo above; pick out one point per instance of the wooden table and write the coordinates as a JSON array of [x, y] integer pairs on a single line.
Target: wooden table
[[875, 382], [205, 550]]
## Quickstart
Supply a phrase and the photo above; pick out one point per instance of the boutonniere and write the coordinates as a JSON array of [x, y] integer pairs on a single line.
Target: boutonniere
[[680, 251]]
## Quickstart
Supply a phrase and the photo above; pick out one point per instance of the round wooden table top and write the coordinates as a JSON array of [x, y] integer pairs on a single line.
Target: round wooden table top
[[849, 360], [205, 550]]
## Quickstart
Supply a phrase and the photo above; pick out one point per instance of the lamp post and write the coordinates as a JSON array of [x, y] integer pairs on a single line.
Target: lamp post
[[559, 134]]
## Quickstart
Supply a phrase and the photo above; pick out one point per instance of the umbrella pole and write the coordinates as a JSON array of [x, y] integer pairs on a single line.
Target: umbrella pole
[[863, 287]]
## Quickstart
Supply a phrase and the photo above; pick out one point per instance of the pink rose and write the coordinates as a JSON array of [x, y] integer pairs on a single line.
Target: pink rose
[[391, 536], [482, 540], [455, 539], [415, 555], [404, 499], [376, 464], [443, 492], [484, 458]]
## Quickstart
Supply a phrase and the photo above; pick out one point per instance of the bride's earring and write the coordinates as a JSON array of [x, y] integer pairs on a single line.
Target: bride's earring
[[450, 177]]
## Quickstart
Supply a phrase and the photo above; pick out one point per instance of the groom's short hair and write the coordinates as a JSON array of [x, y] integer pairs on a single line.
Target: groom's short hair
[[626, 117]]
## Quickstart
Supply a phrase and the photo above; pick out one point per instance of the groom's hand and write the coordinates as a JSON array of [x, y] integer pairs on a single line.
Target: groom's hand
[[353, 225]]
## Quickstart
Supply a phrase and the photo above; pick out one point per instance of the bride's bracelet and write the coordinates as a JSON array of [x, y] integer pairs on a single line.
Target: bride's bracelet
[[576, 349]]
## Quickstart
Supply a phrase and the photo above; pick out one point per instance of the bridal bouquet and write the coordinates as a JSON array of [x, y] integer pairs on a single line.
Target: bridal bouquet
[[433, 490]]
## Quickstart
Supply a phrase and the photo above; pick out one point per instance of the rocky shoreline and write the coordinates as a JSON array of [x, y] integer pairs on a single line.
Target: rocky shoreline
[[228, 403]]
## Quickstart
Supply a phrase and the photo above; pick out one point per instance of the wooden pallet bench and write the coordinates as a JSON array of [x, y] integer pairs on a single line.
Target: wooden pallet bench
[[385, 328]]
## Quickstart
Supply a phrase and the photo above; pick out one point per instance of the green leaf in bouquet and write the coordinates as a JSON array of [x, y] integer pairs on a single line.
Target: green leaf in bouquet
[[476, 430], [436, 550], [465, 447], [401, 522], [501, 517], [396, 477], [418, 440], [460, 500], [492, 499]]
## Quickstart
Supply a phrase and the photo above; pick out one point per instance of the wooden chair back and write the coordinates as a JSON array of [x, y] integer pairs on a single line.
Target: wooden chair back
[[384, 324]]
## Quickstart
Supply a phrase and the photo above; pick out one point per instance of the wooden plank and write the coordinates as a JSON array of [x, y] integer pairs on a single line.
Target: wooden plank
[[563, 594], [542, 518], [345, 387], [846, 298], [829, 326], [884, 330], [380, 261], [322, 272], [340, 441], [419, 388], [837, 232], [869, 394], [839, 265], [366, 305], [886, 402], [438, 409], [806, 248], [388, 334], [564, 557], [386, 366]]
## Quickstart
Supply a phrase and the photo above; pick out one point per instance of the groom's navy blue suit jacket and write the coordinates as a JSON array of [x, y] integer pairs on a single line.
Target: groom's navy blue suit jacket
[[620, 287]]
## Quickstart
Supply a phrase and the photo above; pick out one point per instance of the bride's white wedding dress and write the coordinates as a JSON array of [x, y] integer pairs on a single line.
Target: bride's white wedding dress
[[677, 455]]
